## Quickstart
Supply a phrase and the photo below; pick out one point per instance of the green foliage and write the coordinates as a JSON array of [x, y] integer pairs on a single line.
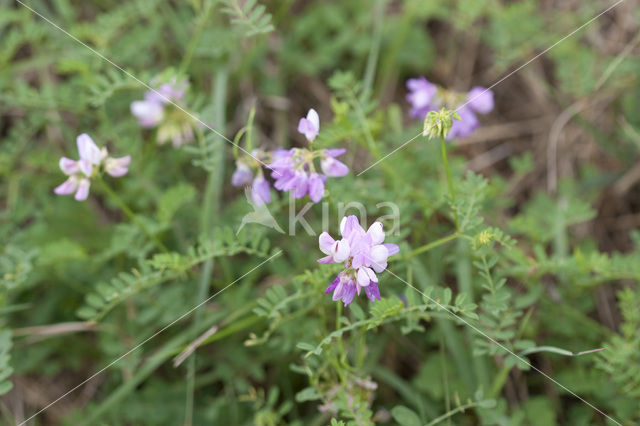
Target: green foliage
[[249, 15]]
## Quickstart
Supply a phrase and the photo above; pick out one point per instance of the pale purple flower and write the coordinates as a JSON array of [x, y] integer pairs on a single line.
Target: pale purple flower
[[310, 126], [149, 113], [92, 161], [176, 126], [425, 96], [480, 100], [420, 96], [260, 191], [242, 175], [117, 167], [364, 254]]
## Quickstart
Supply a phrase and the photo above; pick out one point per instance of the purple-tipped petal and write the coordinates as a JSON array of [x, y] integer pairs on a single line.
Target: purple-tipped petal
[[332, 167], [334, 152], [260, 191], [327, 260], [333, 285], [480, 100], [83, 189], [316, 187], [348, 225], [392, 248], [349, 293], [421, 96], [372, 291], [242, 175], [88, 150], [67, 187], [464, 127]]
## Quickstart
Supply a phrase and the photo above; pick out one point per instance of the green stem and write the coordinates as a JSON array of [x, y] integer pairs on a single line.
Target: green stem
[[210, 206], [432, 245], [193, 43], [130, 214], [376, 38], [445, 416], [449, 180]]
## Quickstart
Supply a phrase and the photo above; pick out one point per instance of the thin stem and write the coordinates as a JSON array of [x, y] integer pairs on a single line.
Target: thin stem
[[210, 206], [193, 43], [449, 180], [432, 245], [376, 38], [445, 416], [130, 214]]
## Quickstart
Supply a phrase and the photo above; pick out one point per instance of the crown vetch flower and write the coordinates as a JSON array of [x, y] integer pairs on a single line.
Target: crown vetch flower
[[93, 161], [158, 110], [364, 254], [425, 96], [293, 170]]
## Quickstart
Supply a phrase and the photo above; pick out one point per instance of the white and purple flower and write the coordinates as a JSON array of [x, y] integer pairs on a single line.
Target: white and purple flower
[[158, 110], [92, 161], [364, 254], [425, 96]]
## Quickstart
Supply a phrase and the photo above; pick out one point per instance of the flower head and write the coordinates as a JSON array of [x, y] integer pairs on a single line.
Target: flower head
[[92, 162], [364, 254], [425, 97], [293, 170], [159, 110]]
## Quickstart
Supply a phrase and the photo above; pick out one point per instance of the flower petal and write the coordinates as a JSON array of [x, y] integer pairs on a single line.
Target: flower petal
[[117, 167], [332, 167], [314, 119], [341, 251], [88, 149], [372, 291], [480, 100], [376, 232], [68, 166], [333, 285], [85, 167], [67, 187], [326, 243], [392, 248], [83, 189], [316, 187], [242, 175], [260, 191], [363, 277]]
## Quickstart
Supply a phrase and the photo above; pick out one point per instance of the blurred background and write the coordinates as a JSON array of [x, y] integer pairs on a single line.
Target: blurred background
[[560, 149]]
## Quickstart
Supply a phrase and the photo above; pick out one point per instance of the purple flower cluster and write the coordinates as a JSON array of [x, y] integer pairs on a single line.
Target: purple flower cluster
[[425, 96], [364, 254], [157, 110], [92, 161], [293, 170]]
